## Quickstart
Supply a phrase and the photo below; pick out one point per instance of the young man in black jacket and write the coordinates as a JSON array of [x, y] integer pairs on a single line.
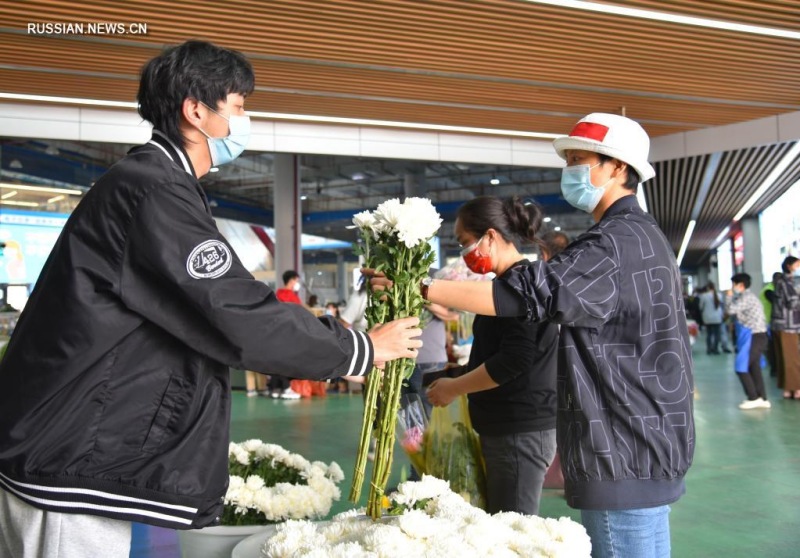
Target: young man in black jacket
[[114, 391], [625, 381]]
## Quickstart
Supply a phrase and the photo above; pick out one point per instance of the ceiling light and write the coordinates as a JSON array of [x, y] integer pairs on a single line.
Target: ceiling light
[[686, 237], [70, 100], [303, 197], [19, 203], [15, 164], [556, 229], [671, 18], [213, 169], [721, 237], [394, 124], [548, 219], [784, 163], [301, 117], [494, 181], [9, 195], [9, 186], [55, 199]]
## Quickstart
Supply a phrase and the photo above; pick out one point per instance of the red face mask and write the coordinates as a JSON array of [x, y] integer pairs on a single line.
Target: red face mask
[[477, 262]]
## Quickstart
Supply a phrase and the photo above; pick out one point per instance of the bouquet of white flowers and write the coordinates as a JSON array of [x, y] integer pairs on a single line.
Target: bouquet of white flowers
[[268, 484], [431, 521], [395, 241]]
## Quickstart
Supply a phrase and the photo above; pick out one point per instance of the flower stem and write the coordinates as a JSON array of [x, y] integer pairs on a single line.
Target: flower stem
[[370, 403]]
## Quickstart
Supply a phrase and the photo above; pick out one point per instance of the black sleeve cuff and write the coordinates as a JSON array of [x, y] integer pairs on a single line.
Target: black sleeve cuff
[[363, 354]]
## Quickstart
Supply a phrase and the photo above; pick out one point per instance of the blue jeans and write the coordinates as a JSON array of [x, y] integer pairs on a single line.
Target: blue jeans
[[639, 533], [713, 334]]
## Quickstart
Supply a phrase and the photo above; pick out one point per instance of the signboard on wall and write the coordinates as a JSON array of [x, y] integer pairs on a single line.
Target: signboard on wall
[[780, 231], [738, 252], [28, 237]]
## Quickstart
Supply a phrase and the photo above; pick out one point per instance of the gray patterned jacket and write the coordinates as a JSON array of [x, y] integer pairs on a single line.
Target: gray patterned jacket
[[625, 382], [748, 310], [786, 306]]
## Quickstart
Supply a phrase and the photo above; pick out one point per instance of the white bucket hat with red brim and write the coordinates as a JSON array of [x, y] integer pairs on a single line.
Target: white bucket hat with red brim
[[612, 135]]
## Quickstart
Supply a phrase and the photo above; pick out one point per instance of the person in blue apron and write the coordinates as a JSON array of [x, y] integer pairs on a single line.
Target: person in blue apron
[[751, 341]]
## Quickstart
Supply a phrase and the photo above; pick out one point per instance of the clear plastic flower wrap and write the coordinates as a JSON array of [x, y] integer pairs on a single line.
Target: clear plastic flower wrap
[[445, 447]]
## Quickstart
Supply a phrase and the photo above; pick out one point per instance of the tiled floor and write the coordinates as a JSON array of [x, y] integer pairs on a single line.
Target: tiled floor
[[742, 494]]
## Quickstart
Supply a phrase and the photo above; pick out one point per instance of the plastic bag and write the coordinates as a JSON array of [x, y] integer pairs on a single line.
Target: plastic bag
[[412, 423], [450, 449]]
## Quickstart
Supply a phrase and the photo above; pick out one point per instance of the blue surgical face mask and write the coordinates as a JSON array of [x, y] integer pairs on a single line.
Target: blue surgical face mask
[[577, 187], [224, 150]]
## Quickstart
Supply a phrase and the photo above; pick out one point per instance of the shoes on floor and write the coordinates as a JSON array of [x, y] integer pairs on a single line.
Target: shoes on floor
[[788, 395], [759, 403], [264, 393], [289, 393], [726, 350], [275, 394], [251, 393]]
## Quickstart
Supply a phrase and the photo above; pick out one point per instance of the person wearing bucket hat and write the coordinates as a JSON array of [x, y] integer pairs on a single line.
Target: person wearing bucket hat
[[625, 423]]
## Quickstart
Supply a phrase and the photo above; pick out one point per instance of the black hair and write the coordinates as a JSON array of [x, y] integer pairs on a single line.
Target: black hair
[[711, 287], [787, 264], [553, 242], [633, 179], [515, 221], [743, 278], [192, 70], [288, 275]]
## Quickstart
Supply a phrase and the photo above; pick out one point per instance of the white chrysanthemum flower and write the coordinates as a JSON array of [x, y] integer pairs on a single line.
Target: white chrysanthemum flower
[[254, 482], [418, 222], [364, 220], [346, 515], [239, 454], [311, 498], [450, 506], [294, 538], [389, 213], [418, 524], [448, 546], [416, 533], [335, 472], [251, 445], [411, 492]]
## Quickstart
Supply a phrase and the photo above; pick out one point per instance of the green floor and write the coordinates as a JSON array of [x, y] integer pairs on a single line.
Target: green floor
[[742, 493]]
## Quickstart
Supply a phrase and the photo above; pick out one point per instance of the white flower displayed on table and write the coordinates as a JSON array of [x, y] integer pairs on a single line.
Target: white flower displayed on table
[[433, 522], [269, 484], [395, 241]]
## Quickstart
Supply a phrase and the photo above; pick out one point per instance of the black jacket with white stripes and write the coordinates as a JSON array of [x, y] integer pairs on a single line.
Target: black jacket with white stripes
[[115, 391]]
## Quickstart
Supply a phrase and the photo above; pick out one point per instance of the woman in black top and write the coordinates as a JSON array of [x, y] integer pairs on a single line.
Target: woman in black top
[[511, 385]]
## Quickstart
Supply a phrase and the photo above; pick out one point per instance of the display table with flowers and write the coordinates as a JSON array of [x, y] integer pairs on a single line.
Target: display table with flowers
[[424, 518], [268, 485]]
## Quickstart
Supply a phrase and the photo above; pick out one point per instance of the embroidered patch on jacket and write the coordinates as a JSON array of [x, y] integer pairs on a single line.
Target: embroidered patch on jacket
[[208, 260]]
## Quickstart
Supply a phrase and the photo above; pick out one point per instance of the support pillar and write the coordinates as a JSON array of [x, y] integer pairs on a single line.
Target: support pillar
[[288, 215], [751, 235], [342, 277]]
